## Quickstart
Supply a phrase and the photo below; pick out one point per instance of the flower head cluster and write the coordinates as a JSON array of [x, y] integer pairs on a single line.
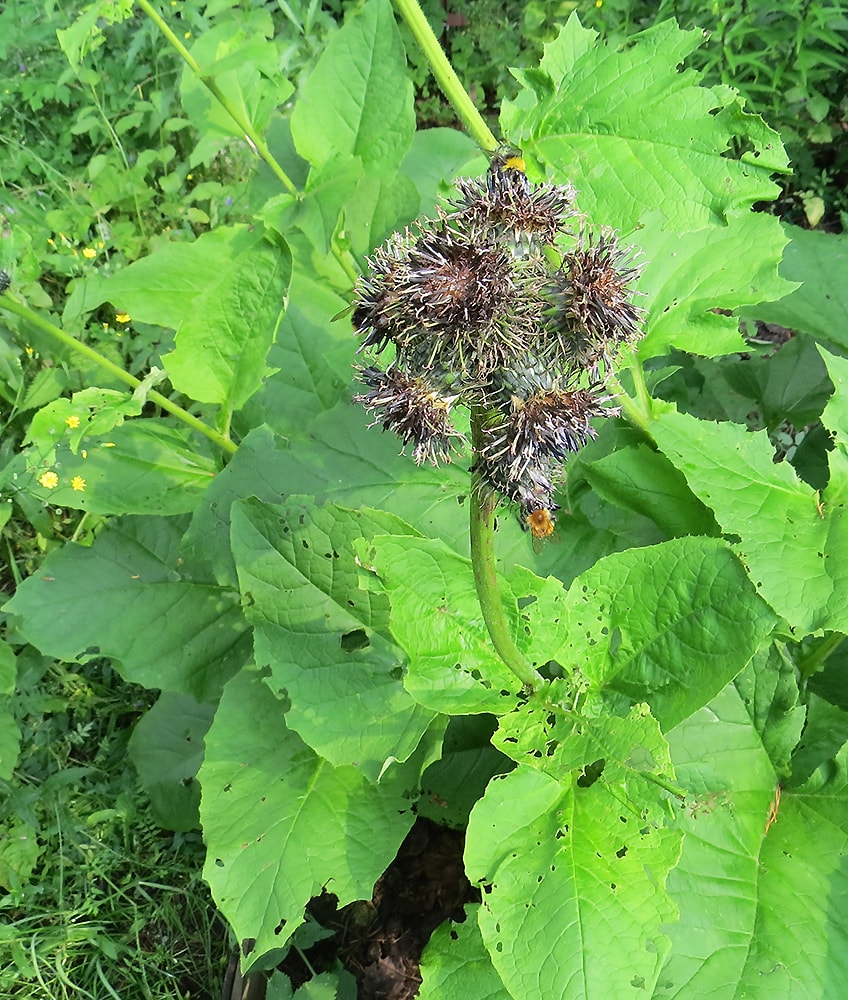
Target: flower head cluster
[[499, 306]]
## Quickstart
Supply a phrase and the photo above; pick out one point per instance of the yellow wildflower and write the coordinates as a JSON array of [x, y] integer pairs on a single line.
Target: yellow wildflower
[[49, 480], [78, 484], [123, 317], [89, 252], [72, 421]]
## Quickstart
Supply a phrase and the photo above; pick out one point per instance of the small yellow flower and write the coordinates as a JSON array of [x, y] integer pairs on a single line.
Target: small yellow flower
[[78, 484], [84, 453], [108, 444], [73, 421], [89, 252], [51, 241], [123, 317], [187, 35], [49, 480]]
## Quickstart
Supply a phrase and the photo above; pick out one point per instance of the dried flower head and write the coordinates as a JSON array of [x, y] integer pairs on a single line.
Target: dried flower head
[[441, 298], [506, 202], [413, 409], [593, 312], [551, 423], [483, 310]]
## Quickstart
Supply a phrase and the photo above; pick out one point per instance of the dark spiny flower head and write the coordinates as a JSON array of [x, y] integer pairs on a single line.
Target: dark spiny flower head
[[497, 306], [549, 424], [441, 297], [593, 313], [415, 410], [509, 204]]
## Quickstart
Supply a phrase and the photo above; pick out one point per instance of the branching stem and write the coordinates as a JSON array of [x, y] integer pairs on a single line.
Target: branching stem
[[253, 138], [819, 653]]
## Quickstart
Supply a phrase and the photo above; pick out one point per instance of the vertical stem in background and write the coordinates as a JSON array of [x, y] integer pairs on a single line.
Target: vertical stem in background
[[444, 73], [252, 137], [483, 562]]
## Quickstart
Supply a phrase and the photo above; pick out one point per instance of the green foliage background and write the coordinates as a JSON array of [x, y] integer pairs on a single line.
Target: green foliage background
[[305, 603]]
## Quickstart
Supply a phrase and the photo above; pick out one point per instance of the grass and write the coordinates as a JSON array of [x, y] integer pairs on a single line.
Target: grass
[[97, 900]]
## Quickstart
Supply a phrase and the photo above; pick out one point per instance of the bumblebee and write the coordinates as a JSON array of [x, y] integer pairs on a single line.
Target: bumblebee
[[508, 158], [540, 522]]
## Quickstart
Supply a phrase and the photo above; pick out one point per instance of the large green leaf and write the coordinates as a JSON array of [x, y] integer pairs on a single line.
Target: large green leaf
[[325, 639], [244, 60], [692, 279], [630, 130], [436, 618], [796, 552], [167, 749], [768, 687], [799, 949], [825, 732], [670, 625], [761, 884], [358, 98], [819, 261], [222, 346], [574, 900], [342, 460], [281, 823], [643, 480], [313, 357], [456, 966], [144, 466], [162, 287], [629, 754], [719, 757], [124, 597]]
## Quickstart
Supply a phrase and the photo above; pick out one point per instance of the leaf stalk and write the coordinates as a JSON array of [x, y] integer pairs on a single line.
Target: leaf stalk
[[11, 305]]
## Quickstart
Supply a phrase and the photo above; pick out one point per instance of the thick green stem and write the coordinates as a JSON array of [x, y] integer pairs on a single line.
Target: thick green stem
[[254, 139], [485, 579], [819, 653], [444, 73], [13, 306], [638, 410]]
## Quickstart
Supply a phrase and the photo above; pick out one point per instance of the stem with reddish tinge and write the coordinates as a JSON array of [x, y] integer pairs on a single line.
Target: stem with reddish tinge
[[483, 563]]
